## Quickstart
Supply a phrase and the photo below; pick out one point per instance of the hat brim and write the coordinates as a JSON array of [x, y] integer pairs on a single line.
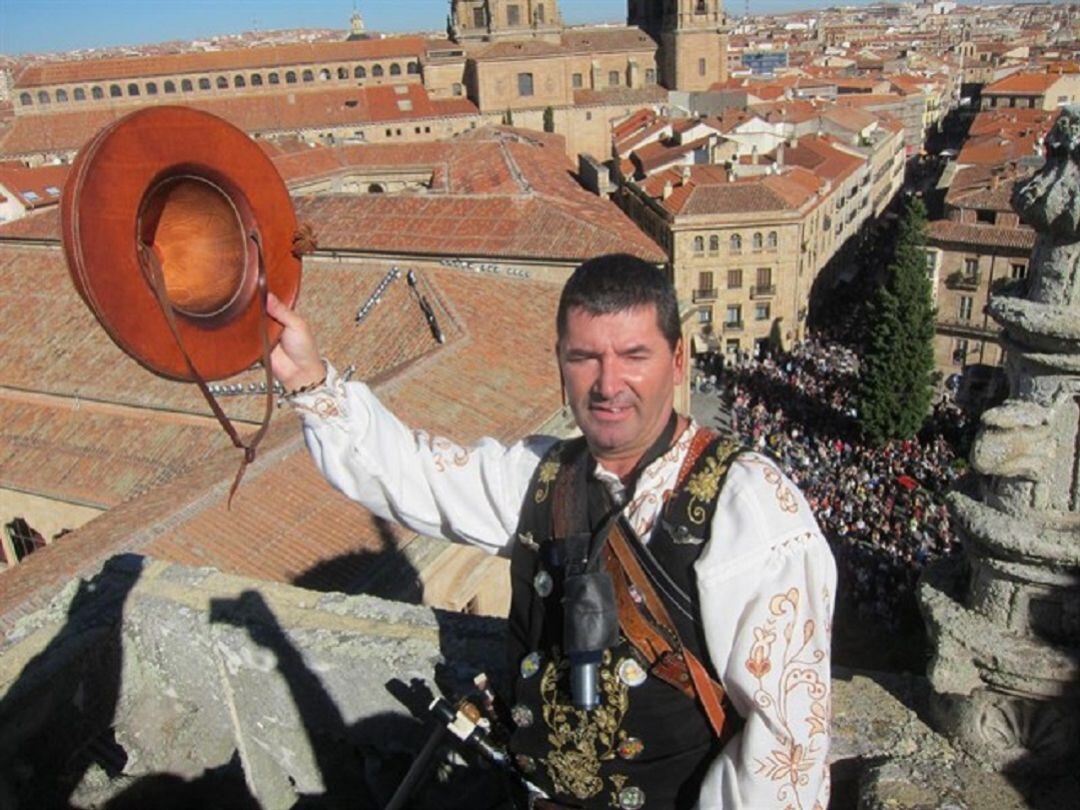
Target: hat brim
[[100, 211]]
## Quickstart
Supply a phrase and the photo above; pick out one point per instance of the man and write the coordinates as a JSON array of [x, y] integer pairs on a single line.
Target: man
[[718, 567]]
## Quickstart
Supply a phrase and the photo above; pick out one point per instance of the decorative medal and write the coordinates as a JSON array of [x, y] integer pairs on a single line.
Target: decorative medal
[[631, 798], [631, 673], [521, 715], [630, 748], [530, 665], [543, 583]]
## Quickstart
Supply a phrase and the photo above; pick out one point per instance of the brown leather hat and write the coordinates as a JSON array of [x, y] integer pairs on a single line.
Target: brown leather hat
[[182, 196]]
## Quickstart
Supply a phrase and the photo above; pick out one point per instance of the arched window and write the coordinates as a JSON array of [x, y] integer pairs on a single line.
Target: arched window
[[151, 89], [170, 86], [239, 81], [699, 244], [256, 80], [308, 76], [204, 83], [771, 240], [360, 72], [61, 95], [273, 79], [222, 83], [26, 99], [115, 91], [290, 77], [757, 240], [343, 73], [133, 89], [97, 92], [375, 188], [395, 69], [414, 67], [736, 243], [377, 71], [714, 244], [80, 94], [43, 97], [458, 89], [324, 75]]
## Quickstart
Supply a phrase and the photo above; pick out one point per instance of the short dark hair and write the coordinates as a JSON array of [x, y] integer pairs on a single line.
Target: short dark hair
[[616, 282]]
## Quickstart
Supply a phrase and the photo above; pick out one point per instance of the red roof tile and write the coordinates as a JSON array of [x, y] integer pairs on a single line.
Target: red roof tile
[[35, 187], [944, 231], [1022, 84]]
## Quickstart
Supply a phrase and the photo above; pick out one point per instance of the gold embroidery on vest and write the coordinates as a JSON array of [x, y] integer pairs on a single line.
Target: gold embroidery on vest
[[704, 485], [582, 740], [549, 471]]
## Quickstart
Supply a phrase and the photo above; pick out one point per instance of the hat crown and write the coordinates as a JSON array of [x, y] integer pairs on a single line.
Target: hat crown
[[197, 234]]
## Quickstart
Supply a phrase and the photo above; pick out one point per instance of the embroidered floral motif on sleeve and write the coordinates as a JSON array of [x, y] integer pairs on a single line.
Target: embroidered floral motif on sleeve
[[327, 402], [704, 485], [797, 678], [444, 453], [772, 476]]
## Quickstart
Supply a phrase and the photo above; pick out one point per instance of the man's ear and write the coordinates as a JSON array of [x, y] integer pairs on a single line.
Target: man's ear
[[679, 360]]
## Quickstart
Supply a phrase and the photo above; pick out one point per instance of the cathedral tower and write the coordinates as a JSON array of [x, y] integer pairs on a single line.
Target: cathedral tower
[[481, 20], [692, 36]]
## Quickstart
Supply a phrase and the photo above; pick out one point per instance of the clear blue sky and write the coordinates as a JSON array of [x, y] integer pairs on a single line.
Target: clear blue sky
[[60, 25]]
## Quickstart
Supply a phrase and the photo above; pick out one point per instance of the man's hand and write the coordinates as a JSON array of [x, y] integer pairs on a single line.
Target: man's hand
[[295, 361]]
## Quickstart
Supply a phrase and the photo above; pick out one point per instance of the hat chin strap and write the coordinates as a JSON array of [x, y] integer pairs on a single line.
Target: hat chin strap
[[155, 277]]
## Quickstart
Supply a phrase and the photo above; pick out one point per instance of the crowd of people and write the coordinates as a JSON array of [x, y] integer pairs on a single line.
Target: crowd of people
[[881, 508]]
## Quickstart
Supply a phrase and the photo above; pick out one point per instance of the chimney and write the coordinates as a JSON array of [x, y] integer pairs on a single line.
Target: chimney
[[753, 155], [780, 155], [667, 190], [685, 175]]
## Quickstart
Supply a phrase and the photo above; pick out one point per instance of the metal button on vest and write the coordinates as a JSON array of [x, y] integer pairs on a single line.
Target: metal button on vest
[[530, 665], [526, 539], [525, 763], [631, 672], [630, 748], [521, 715], [631, 798], [543, 583]]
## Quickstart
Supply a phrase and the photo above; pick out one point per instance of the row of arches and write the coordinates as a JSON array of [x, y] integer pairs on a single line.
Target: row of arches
[[758, 241], [221, 82]]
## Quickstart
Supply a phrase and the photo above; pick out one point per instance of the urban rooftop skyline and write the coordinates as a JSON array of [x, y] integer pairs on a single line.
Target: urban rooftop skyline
[[55, 26]]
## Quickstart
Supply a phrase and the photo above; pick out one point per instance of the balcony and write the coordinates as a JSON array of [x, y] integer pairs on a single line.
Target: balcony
[[964, 281], [762, 290], [704, 295], [980, 328]]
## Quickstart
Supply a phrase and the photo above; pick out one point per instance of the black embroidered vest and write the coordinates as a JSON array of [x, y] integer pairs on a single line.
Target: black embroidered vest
[[647, 744]]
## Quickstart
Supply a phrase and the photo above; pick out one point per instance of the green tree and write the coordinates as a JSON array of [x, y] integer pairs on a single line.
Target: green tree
[[895, 388], [549, 119]]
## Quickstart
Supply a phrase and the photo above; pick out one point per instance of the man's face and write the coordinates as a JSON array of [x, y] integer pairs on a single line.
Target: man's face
[[620, 376]]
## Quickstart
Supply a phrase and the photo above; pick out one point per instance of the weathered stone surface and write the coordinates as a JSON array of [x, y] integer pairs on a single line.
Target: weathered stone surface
[[1006, 623], [265, 689]]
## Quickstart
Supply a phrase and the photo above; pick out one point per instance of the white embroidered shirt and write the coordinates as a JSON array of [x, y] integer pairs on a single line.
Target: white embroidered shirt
[[766, 579]]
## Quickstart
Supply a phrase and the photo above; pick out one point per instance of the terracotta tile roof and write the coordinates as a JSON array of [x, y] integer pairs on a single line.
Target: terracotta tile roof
[[286, 524], [89, 70], [653, 128], [1012, 120], [985, 187], [606, 40], [820, 155], [653, 155], [262, 113], [510, 49], [1022, 84], [790, 111], [945, 231], [998, 149], [850, 118], [708, 191], [41, 224], [34, 187], [314, 162]]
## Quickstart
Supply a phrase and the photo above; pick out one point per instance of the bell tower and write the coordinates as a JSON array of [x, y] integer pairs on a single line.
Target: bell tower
[[490, 20], [692, 36]]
